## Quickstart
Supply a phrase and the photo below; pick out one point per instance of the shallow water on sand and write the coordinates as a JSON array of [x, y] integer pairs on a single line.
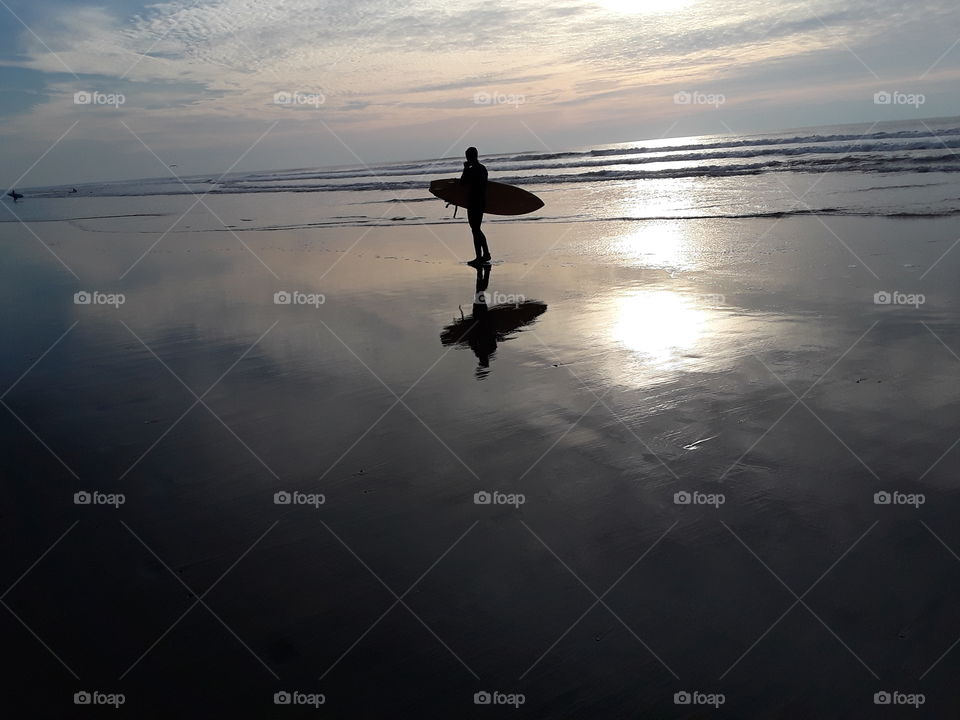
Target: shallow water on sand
[[627, 362]]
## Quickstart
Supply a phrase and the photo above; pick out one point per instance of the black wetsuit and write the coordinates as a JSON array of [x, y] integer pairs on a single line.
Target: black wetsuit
[[475, 176]]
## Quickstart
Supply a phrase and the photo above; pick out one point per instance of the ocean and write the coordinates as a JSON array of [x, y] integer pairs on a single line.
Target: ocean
[[898, 169]]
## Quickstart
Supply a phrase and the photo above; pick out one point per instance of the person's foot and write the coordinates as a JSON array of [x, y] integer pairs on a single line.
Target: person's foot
[[475, 261], [486, 258]]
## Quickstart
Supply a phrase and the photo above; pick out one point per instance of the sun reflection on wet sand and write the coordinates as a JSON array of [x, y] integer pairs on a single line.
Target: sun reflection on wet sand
[[656, 245], [659, 325]]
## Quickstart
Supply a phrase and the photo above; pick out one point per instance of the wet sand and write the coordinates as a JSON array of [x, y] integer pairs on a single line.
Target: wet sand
[[743, 360]]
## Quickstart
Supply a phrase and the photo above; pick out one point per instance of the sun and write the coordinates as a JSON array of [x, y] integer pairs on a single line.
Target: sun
[[644, 7]]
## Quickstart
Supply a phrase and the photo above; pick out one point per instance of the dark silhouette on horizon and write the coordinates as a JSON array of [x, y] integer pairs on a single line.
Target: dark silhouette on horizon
[[14, 194], [489, 325], [475, 177]]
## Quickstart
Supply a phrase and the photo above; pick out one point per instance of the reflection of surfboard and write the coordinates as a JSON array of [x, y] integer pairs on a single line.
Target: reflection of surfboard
[[501, 320], [502, 199]]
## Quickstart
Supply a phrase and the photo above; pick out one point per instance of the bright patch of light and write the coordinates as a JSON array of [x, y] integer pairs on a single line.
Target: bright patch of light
[[658, 324], [656, 245]]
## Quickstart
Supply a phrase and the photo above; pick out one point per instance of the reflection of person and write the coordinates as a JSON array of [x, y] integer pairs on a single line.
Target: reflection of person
[[475, 177], [487, 326], [482, 337]]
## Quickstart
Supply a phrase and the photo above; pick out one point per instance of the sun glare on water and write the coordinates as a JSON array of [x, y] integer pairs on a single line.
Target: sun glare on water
[[644, 7]]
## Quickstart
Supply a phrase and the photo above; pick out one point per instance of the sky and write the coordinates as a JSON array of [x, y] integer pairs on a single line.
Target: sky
[[121, 89]]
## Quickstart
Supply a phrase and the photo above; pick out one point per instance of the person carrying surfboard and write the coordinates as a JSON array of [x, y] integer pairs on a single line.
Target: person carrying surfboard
[[475, 178]]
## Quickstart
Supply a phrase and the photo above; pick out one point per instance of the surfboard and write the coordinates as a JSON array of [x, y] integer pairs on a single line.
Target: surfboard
[[502, 199]]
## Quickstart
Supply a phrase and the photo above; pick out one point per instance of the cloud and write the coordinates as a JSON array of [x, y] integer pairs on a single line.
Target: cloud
[[190, 69]]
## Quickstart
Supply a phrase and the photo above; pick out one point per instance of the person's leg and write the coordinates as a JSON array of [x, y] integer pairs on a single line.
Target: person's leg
[[480, 240], [475, 217]]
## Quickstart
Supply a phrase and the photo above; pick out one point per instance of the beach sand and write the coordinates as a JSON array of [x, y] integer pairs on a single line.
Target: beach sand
[[746, 358]]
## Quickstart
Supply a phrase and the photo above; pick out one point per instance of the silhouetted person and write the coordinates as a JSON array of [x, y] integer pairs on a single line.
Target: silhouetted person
[[475, 177], [15, 195]]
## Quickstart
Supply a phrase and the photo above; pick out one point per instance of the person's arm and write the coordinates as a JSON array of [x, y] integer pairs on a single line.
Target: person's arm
[[466, 169]]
